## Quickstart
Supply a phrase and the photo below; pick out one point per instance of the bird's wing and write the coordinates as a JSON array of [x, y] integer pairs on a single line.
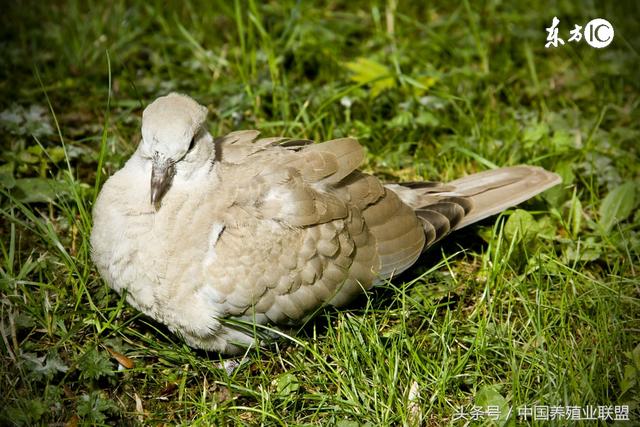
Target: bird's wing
[[307, 229], [236, 146]]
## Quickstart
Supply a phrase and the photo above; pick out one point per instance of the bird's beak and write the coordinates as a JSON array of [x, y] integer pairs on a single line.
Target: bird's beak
[[162, 173]]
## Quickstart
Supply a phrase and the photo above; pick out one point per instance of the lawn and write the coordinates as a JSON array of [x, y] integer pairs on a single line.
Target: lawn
[[536, 308]]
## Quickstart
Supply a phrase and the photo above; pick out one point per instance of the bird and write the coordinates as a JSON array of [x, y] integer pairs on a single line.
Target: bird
[[208, 235]]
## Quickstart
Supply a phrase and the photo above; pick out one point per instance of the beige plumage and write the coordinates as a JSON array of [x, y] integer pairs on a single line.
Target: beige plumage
[[200, 231]]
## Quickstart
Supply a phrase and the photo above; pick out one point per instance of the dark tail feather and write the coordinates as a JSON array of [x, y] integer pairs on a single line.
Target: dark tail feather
[[475, 197]]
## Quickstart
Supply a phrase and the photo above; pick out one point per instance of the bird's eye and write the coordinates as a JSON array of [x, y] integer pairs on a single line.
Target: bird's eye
[[192, 143]]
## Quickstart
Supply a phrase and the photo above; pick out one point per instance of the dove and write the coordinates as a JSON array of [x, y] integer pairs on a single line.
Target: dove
[[207, 235]]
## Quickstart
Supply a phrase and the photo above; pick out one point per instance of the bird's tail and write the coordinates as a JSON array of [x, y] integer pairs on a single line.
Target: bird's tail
[[447, 207], [494, 191]]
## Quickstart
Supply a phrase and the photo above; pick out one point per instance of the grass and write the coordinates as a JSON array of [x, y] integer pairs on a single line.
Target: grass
[[531, 308]]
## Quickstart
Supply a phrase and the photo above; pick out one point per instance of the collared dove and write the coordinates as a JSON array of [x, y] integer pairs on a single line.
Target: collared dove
[[202, 233]]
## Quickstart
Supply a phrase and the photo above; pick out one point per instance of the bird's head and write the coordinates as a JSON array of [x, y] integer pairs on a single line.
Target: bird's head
[[172, 129]]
